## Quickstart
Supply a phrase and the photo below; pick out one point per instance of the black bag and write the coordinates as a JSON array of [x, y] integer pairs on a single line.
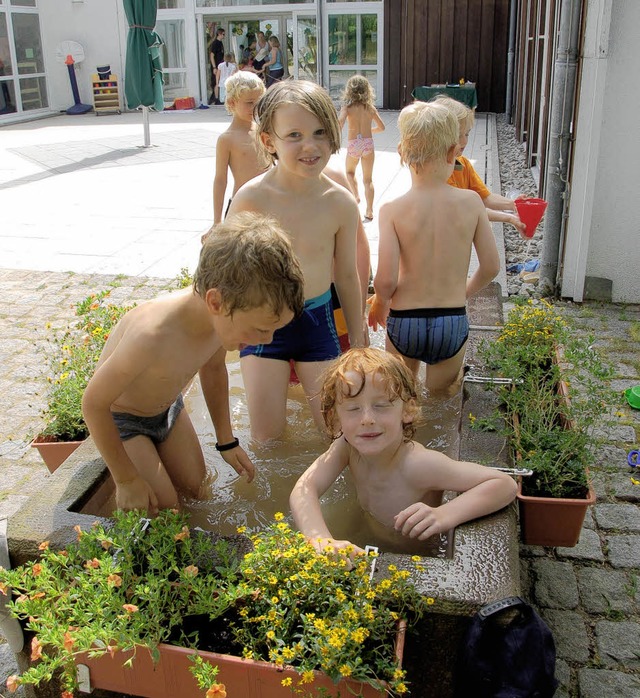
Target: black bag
[[507, 652]]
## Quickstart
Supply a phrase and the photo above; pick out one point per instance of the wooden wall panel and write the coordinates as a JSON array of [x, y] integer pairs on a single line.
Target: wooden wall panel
[[439, 41]]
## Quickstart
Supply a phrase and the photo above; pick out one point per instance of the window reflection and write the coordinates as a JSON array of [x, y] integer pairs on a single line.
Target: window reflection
[[7, 97], [369, 34], [5, 54], [33, 93], [26, 34], [342, 39]]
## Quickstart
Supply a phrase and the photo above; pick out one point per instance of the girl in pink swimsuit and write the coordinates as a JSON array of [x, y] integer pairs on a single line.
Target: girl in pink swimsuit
[[359, 112]]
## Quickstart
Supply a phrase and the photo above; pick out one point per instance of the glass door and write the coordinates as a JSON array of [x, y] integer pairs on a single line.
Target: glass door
[[354, 45], [23, 85], [303, 60]]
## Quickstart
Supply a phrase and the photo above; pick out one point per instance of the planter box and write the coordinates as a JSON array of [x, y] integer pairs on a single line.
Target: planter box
[[242, 678], [552, 521], [54, 453]]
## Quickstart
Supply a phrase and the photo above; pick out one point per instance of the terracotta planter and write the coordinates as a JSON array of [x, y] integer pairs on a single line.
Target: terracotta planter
[[242, 678], [552, 521], [54, 453]]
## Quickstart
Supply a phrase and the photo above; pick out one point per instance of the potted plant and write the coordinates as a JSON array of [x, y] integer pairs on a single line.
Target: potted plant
[[72, 358], [127, 593], [557, 397]]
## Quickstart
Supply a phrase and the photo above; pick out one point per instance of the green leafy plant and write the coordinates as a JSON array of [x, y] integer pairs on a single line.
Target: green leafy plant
[[73, 355], [138, 582], [553, 435]]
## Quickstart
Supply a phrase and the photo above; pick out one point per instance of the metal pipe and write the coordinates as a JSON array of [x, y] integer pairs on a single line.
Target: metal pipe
[[320, 52], [9, 626], [513, 14], [560, 127]]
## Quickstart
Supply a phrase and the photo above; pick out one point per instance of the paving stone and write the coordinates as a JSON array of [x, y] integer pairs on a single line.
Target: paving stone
[[618, 643], [533, 551], [588, 548], [556, 585], [599, 481], [618, 517], [570, 634], [624, 551], [601, 683], [603, 590], [563, 674], [8, 667], [616, 432], [610, 455], [622, 487], [588, 519], [11, 503]]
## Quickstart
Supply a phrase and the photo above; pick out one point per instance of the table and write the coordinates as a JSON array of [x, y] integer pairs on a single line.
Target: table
[[463, 93]]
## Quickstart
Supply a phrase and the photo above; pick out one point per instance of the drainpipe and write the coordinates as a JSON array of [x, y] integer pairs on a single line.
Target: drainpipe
[[556, 186], [9, 626], [511, 56], [320, 50]]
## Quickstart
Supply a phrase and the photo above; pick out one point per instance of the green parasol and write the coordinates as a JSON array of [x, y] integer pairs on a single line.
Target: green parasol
[[143, 72]]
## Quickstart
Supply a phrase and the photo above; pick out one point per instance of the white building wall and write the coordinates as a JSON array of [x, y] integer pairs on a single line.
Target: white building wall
[[99, 26], [614, 248]]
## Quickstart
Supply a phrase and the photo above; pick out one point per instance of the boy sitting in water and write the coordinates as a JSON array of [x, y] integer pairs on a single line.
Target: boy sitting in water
[[236, 147], [426, 236], [247, 285], [369, 403]]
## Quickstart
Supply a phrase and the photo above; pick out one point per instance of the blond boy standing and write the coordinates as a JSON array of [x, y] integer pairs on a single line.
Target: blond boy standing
[[236, 147], [426, 237]]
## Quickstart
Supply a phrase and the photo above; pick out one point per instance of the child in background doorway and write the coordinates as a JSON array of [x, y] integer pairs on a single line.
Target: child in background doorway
[[426, 237], [369, 403], [248, 283], [298, 129], [225, 70], [500, 209], [359, 112], [236, 147]]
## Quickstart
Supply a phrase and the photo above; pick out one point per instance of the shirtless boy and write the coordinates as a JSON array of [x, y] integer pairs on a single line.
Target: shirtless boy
[[236, 147], [426, 237], [297, 126], [369, 403], [247, 285]]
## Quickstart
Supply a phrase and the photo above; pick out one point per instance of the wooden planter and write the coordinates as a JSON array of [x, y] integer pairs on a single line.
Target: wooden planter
[[54, 453], [242, 678], [552, 521]]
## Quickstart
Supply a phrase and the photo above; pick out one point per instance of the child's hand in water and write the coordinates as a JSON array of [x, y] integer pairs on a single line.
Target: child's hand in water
[[238, 459], [421, 521]]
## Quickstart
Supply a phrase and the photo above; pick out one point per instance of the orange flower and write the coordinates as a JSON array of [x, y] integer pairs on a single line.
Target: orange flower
[[67, 694], [44, 545], [39, 595], [129, 607], [12, 683], [115, 580], [68, 642], [183, 534], [191, 571], [111, 649], [3, 588], [78, 530], [36, 649], [217, 690], [95, 563], [37, 569], [106, 544]]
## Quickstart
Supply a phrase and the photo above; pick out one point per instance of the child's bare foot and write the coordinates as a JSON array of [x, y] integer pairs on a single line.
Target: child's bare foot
[[368, 216]]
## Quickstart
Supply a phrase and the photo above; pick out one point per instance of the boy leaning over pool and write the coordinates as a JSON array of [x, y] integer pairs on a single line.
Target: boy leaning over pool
[[247, 285]]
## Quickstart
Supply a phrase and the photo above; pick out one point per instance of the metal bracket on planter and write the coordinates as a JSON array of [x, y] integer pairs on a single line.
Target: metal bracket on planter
[[497, 606], [491, 380], [372, 549], [84, 678], [523, 472]]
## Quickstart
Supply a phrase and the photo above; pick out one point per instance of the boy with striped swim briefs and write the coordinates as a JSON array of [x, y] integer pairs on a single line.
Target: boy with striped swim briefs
[[426, 237]]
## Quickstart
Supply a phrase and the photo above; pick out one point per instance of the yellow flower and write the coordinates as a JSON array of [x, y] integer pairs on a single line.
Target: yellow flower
[[278, 516], [345, 670], [241, 529], [287, 681], [430, 601]]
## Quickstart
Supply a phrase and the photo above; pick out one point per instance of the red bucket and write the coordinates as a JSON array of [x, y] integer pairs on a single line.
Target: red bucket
[[530, 212]]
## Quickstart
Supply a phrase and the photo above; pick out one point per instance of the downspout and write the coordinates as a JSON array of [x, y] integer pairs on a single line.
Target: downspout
[[9, 626], [320, 49], [511, 56], [556, 186]]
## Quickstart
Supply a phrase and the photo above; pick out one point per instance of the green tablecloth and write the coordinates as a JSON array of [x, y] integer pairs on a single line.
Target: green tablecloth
[[465, 94]]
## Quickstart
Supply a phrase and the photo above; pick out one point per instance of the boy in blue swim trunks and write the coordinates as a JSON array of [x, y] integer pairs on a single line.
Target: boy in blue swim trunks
[[426, 237], [247, 285], [298, 130]]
